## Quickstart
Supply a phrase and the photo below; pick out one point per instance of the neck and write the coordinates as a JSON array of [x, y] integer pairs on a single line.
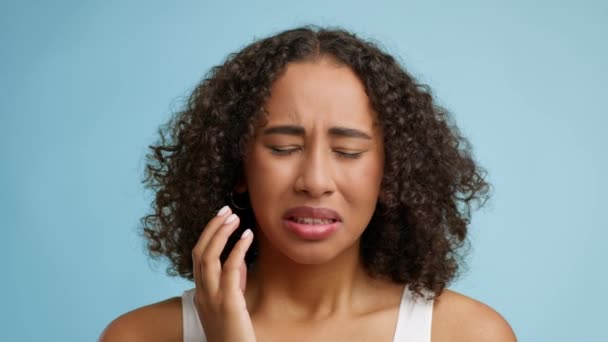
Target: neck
[[305, 290]]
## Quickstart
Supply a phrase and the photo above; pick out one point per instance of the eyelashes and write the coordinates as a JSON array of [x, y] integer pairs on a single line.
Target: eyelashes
[[287, 152]]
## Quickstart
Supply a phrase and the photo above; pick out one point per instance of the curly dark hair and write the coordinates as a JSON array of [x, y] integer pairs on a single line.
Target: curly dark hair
[[430, 180]]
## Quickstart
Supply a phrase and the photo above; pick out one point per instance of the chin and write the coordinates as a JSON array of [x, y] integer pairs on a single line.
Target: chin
[[309, 257], [312, 253]]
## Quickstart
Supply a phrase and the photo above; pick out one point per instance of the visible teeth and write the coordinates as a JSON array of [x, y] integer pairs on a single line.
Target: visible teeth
[[307, 220]]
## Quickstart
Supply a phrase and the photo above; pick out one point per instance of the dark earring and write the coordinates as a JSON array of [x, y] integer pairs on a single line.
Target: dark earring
[[234, 203]]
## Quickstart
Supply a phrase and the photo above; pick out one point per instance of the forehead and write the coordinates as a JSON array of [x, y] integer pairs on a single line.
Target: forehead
[[319, 91]]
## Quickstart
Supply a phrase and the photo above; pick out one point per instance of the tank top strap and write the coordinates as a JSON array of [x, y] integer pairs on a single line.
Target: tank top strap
[[413, 321], [414, 318], [191, 324]]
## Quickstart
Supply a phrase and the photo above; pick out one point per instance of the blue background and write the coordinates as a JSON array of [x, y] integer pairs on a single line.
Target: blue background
[[85, 84]]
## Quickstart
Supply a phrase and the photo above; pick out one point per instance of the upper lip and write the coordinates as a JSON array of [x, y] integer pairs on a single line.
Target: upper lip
[[310, 212]]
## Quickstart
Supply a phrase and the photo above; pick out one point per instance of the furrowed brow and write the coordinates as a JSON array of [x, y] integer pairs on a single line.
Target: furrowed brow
[[345, 132], [287, 130], [340, 132]]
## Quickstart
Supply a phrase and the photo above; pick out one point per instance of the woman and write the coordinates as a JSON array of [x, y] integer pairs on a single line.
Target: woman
[[348, 192]]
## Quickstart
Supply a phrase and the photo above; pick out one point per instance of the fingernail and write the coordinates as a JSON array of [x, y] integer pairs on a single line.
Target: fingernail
[[222, 211], [230, 219], [246, 233]]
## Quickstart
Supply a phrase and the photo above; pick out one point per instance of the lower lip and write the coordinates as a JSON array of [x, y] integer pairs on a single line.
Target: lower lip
[[312, 231]]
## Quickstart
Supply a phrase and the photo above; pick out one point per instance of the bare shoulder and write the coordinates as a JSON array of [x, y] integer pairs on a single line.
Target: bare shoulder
[[160, 321], [457, 317]]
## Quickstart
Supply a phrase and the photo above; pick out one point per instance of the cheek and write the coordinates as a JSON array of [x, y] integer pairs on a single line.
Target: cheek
[[264, 177], [258, 167], [375, 169], [363, 178]]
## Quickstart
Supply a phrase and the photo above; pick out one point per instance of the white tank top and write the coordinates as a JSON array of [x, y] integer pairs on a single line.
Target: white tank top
[[413, 321]]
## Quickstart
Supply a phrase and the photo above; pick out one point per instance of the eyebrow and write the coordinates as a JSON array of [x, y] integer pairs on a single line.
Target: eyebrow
[[342, 132]]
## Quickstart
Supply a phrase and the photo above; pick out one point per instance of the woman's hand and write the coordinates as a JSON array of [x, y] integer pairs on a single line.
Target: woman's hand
[[219, 290]]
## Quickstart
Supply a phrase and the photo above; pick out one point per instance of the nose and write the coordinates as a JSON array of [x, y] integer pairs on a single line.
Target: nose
[[316, 174]]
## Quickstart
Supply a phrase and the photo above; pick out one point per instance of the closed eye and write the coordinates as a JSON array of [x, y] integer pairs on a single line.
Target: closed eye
[[349, 155], [289, 151], [283, 151]]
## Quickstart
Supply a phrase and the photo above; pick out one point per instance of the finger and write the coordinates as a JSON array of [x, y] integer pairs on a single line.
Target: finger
[[208, 231], [214, 224], [212, 267], [197, 251], [233, 277], [243, 276]]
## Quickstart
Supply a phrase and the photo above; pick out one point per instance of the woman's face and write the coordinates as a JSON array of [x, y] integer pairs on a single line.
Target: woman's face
[[321, 151]]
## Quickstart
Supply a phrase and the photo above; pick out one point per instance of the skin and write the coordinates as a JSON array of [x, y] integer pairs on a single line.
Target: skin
[[305, 290], [293, 273]]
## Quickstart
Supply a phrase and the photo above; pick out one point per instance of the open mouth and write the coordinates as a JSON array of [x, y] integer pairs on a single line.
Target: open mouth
[[312, 221], [312, 229]]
